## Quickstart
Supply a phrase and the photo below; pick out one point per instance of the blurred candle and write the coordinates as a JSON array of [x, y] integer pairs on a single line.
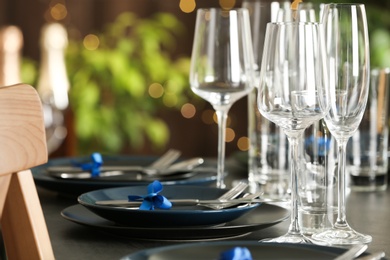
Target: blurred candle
[[53, 84], [11, 43]]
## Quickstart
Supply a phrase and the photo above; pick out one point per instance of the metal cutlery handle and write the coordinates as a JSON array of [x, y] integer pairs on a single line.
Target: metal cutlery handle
[[185, 202], [353, 252], [73, 169], [373, 256]]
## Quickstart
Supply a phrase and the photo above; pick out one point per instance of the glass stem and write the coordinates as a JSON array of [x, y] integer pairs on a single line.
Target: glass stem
[[341, 157], [222, 113], [294, 152]]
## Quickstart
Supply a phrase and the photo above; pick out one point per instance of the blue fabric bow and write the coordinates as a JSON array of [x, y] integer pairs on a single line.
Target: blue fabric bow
[[152, 200], [94, 166], [236, 253]]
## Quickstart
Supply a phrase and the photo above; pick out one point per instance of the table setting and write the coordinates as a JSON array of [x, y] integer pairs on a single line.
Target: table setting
[[312, 82], [64, 176]]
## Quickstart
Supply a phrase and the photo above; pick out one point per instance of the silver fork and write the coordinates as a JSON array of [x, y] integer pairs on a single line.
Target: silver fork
[[247, 196], [165, 160], [231, 194]]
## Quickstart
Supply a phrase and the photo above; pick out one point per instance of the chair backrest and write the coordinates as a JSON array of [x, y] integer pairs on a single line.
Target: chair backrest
[[22, 146]]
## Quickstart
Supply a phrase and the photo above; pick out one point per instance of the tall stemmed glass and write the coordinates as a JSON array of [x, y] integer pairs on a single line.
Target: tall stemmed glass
[[293, 93], [222, 65], [349, 72]]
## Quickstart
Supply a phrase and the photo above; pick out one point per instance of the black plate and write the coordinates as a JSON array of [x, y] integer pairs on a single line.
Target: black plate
[[74, 187], [262, 217], [212, 250], [175, 216]]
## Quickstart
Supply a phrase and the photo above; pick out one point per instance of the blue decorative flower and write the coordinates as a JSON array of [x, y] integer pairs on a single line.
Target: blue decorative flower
[[236, 253], [152, 200], [94, 166]]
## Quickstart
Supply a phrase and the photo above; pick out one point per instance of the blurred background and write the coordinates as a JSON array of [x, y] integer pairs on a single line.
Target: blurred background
[[113, 74]]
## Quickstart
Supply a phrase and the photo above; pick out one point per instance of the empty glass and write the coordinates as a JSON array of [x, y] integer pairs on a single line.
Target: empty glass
[[293, 93], [222, 65]]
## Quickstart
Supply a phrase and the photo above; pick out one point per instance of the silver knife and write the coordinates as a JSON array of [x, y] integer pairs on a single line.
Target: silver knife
[[353, 252], [184, 202]]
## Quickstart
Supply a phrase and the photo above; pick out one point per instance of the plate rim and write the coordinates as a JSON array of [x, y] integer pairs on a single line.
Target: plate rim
[[230, 229], [64, 186], [192, 216], [145, 253]]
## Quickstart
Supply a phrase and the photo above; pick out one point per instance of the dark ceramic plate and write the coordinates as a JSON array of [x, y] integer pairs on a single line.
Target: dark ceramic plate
[[74, 187], [262, 217], [175, 216], [213, 250]]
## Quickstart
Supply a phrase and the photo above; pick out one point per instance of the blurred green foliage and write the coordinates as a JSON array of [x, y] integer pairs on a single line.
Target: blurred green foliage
[[109, 85]]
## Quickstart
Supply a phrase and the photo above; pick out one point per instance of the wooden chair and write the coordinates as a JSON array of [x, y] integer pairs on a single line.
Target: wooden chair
[[22, 146]]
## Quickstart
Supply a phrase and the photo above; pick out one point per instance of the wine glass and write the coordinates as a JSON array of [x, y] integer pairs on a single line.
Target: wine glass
[[349, 72], [222, 65], [293, 93]]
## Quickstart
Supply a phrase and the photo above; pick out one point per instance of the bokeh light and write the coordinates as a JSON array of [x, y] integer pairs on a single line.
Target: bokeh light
[[187, 6], [91, 42], [227, 4], [230, 135], [58, 11], [156, 90], [243, 143], [188, 110]]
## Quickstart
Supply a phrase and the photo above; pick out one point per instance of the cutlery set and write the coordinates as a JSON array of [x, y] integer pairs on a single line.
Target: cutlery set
[[162, 167], [217, 204]]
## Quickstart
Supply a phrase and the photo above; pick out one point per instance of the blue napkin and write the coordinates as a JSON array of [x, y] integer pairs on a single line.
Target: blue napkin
[[152, 200], [236, 253], [93, 166]]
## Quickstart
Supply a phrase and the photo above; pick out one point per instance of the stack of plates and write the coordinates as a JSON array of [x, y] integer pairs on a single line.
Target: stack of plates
[[75, 187], [177, 223], [213, 250]]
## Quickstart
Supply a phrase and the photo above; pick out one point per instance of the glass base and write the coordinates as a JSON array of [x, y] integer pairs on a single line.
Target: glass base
[[288, 238], [340, 237]]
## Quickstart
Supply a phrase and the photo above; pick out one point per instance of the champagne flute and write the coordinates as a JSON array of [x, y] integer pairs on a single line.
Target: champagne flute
[[349, 71], [293, 93], [222, 65]]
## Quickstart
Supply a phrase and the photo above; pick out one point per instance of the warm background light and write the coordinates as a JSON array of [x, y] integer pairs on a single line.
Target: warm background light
[[227, 4], [188, 110], [230, 135], [156, 90], [58, 12], [243, 143], [187, 6], [91, 42]]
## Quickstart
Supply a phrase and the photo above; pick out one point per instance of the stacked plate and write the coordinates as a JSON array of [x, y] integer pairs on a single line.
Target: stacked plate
[[257, 250], [176, 223], [74, 187]]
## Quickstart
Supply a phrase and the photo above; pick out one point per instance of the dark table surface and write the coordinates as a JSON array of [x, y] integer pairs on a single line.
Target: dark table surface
[[366, 212]]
